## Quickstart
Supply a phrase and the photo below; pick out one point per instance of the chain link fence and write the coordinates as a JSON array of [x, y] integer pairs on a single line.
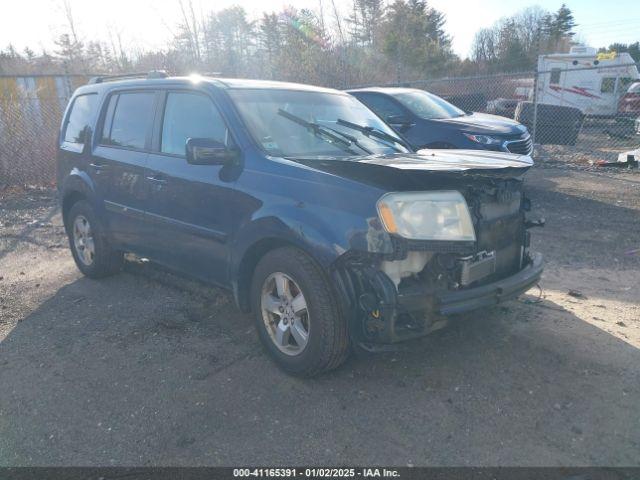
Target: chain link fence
[[576, 115], [31, 109]]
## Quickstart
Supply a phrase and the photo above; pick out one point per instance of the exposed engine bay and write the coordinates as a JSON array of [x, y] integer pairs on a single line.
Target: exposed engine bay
[[404, 294]]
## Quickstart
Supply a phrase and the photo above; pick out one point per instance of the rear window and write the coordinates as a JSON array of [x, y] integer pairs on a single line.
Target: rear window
[[131, 120], [79, 118]]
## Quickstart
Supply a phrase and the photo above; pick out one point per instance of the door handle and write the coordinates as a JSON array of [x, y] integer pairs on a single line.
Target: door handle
[[157, 179], [98, 166]]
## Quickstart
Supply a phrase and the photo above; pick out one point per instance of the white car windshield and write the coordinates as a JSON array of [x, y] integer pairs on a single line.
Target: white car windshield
[[294, 123]]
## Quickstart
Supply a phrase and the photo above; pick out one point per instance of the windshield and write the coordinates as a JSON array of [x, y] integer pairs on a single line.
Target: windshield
[[428, 106], [291, 123]]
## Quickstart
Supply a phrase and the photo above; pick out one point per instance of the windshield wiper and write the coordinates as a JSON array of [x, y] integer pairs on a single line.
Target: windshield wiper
[[351, 138], [323, 133], [373, 132]]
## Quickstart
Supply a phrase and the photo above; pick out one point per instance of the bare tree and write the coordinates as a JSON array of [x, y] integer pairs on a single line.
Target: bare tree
[[190, 29], [70, 46]]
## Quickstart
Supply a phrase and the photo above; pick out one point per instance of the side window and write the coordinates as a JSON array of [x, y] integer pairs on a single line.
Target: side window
[[623, 84], [555, 76], [381, 105], [190, 115], [78, 122], [132, 117], [108, 120], [608, 85]]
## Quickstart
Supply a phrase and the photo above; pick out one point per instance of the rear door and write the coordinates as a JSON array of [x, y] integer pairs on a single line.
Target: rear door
[[190, 208], [121, 157], [607, 104]]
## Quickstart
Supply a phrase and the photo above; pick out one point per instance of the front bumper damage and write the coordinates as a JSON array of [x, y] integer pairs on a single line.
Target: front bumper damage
[[381, 313], [483, 296], [410, 289]]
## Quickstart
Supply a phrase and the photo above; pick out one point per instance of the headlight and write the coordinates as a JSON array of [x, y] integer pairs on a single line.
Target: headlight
[[441, 215], [483, 139]]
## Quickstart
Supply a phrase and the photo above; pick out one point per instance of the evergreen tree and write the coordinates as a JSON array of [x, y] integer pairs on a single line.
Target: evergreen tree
[[413, 36]]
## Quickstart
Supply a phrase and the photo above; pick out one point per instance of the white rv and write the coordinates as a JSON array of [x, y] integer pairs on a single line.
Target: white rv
[[585, 79]]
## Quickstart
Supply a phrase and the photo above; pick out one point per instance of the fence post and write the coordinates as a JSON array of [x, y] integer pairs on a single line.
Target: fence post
[[535, 87], [535, 105]]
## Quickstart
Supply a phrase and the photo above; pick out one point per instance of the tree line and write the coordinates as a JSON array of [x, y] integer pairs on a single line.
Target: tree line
[[375, 42]]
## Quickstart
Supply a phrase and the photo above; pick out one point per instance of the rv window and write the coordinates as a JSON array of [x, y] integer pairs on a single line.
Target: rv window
[[555, 76], [624, 83], [608, 85]]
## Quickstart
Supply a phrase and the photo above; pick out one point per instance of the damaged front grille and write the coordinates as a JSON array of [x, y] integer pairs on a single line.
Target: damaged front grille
[[505, 239], [499, 224], [498, 217], [402, 246]]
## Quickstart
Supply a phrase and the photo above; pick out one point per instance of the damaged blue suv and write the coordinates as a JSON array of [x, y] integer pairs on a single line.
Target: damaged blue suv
[[301, 201]]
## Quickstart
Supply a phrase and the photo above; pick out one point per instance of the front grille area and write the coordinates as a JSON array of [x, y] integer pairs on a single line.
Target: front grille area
[[500, 228], [505, 237], [521, 147]]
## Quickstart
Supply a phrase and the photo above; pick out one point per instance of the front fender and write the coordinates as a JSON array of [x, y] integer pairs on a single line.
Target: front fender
[[324, 235], [308, 232]]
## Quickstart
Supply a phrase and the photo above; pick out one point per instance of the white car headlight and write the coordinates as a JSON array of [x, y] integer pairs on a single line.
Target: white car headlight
[[439, 215]]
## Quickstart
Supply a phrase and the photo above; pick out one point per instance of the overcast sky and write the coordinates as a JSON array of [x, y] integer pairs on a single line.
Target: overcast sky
[[147, 24]]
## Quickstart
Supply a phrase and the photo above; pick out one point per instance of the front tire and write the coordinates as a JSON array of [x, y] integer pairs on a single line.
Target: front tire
[[90, 247], [297, 314]]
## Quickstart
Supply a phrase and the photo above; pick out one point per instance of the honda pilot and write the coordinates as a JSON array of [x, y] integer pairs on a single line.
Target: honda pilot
[[299, 200]]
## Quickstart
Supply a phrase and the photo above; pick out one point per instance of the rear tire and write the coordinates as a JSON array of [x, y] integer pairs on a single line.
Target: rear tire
[[302, 282], [90, 246]]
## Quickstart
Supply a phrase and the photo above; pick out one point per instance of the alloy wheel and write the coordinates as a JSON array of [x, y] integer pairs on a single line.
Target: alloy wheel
[[285, 313], [83, 240]]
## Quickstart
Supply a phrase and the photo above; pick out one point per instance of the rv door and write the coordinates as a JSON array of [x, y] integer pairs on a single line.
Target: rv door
[[553, 87], [608, 96]]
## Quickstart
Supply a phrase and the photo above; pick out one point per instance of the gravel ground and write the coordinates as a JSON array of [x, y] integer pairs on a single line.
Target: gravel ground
[[145, 368]]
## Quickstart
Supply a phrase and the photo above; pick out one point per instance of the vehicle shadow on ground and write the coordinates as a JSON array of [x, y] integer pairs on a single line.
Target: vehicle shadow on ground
[[133, 371]]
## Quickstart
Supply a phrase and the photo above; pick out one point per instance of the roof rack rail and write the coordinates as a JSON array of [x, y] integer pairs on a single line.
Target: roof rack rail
[[148, 75]]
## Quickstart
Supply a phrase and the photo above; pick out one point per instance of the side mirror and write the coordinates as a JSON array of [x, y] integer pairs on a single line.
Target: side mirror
[[205, 151]]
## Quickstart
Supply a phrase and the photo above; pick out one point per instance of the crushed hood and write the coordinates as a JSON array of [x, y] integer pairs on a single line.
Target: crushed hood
[[451, 160], [426, 168]]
